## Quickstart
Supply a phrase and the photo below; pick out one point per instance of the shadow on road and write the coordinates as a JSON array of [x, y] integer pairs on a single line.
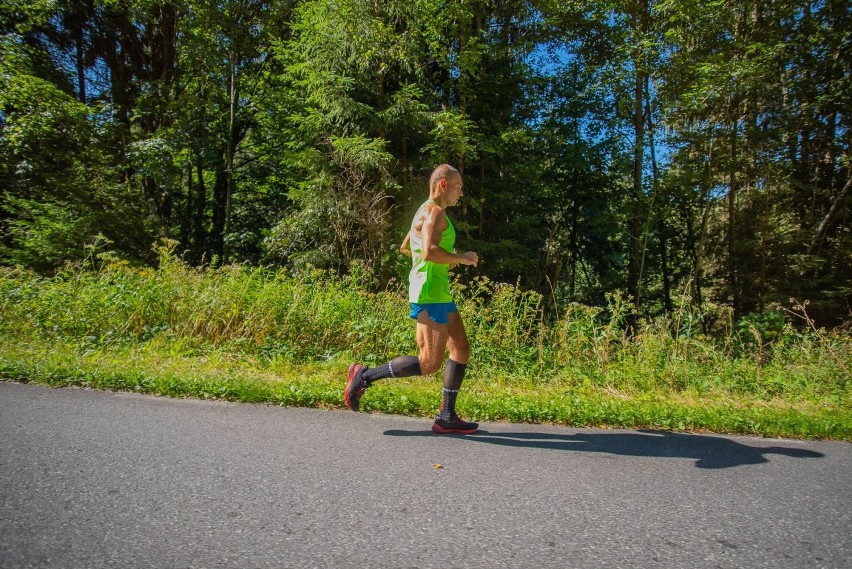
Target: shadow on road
[[709, 451]]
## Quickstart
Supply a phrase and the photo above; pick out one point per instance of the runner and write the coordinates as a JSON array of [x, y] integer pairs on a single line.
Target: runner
[[430, 243]]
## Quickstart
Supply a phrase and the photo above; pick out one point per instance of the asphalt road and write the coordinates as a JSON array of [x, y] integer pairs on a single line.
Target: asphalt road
[[93, 479]]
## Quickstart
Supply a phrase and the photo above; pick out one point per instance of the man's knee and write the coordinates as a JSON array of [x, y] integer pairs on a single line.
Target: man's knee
[[429, 365], [460, 350], [461, 354]]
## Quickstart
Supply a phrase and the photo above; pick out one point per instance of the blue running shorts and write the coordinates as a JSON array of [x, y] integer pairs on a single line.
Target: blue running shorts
[[438, 312]]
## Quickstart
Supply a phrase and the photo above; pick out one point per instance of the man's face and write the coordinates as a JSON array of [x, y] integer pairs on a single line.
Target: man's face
[[453, 189]]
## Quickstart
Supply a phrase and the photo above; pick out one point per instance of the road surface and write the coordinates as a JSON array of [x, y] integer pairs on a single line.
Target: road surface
[[95, 479]]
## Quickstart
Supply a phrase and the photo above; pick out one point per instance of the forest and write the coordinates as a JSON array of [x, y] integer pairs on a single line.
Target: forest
[[674, 150]]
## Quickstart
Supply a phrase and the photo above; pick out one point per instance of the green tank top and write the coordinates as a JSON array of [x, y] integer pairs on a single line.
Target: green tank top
[[429, 283]]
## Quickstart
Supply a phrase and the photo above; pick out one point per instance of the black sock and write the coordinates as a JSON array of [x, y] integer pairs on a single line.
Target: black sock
[[400, 366], [448, 405], [453, 376]]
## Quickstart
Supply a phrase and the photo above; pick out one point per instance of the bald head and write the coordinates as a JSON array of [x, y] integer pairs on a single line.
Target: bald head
[[442, 172]]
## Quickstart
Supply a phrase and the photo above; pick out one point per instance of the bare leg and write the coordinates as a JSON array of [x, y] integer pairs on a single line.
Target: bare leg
[[432, 339], [457, 342]]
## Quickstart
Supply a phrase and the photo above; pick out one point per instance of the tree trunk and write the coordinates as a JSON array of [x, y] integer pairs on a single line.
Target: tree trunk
[[186, 221], [733, 190], [201, 238], [230, 150], [664, 262], [655, 177], [640, 23], [706, 203], [217, 232], [816, 240]]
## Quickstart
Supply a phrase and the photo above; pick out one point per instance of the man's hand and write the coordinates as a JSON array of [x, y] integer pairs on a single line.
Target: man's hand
[[469, 258]]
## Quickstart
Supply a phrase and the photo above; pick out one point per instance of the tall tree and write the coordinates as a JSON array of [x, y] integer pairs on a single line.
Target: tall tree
[[747, 90], [351, 103]]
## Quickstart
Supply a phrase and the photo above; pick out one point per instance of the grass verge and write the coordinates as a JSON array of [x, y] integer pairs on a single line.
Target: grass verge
[[258, 335], [154, 368]]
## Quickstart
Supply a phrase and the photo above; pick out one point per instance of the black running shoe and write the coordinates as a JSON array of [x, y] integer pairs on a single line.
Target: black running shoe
[[454, 425], [355, 387]]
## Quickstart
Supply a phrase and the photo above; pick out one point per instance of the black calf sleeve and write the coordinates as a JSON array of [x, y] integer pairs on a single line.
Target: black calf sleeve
[[453, 375], [401, 366]]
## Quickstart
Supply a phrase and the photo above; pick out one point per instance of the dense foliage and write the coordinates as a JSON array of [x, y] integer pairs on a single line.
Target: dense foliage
[[659, 147], [253, 334]]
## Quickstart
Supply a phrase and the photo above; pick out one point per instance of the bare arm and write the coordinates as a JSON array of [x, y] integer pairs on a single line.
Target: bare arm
[[405, 248], [434, 224]]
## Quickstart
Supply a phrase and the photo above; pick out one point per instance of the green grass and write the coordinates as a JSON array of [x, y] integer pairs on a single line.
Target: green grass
[[245, 334]]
